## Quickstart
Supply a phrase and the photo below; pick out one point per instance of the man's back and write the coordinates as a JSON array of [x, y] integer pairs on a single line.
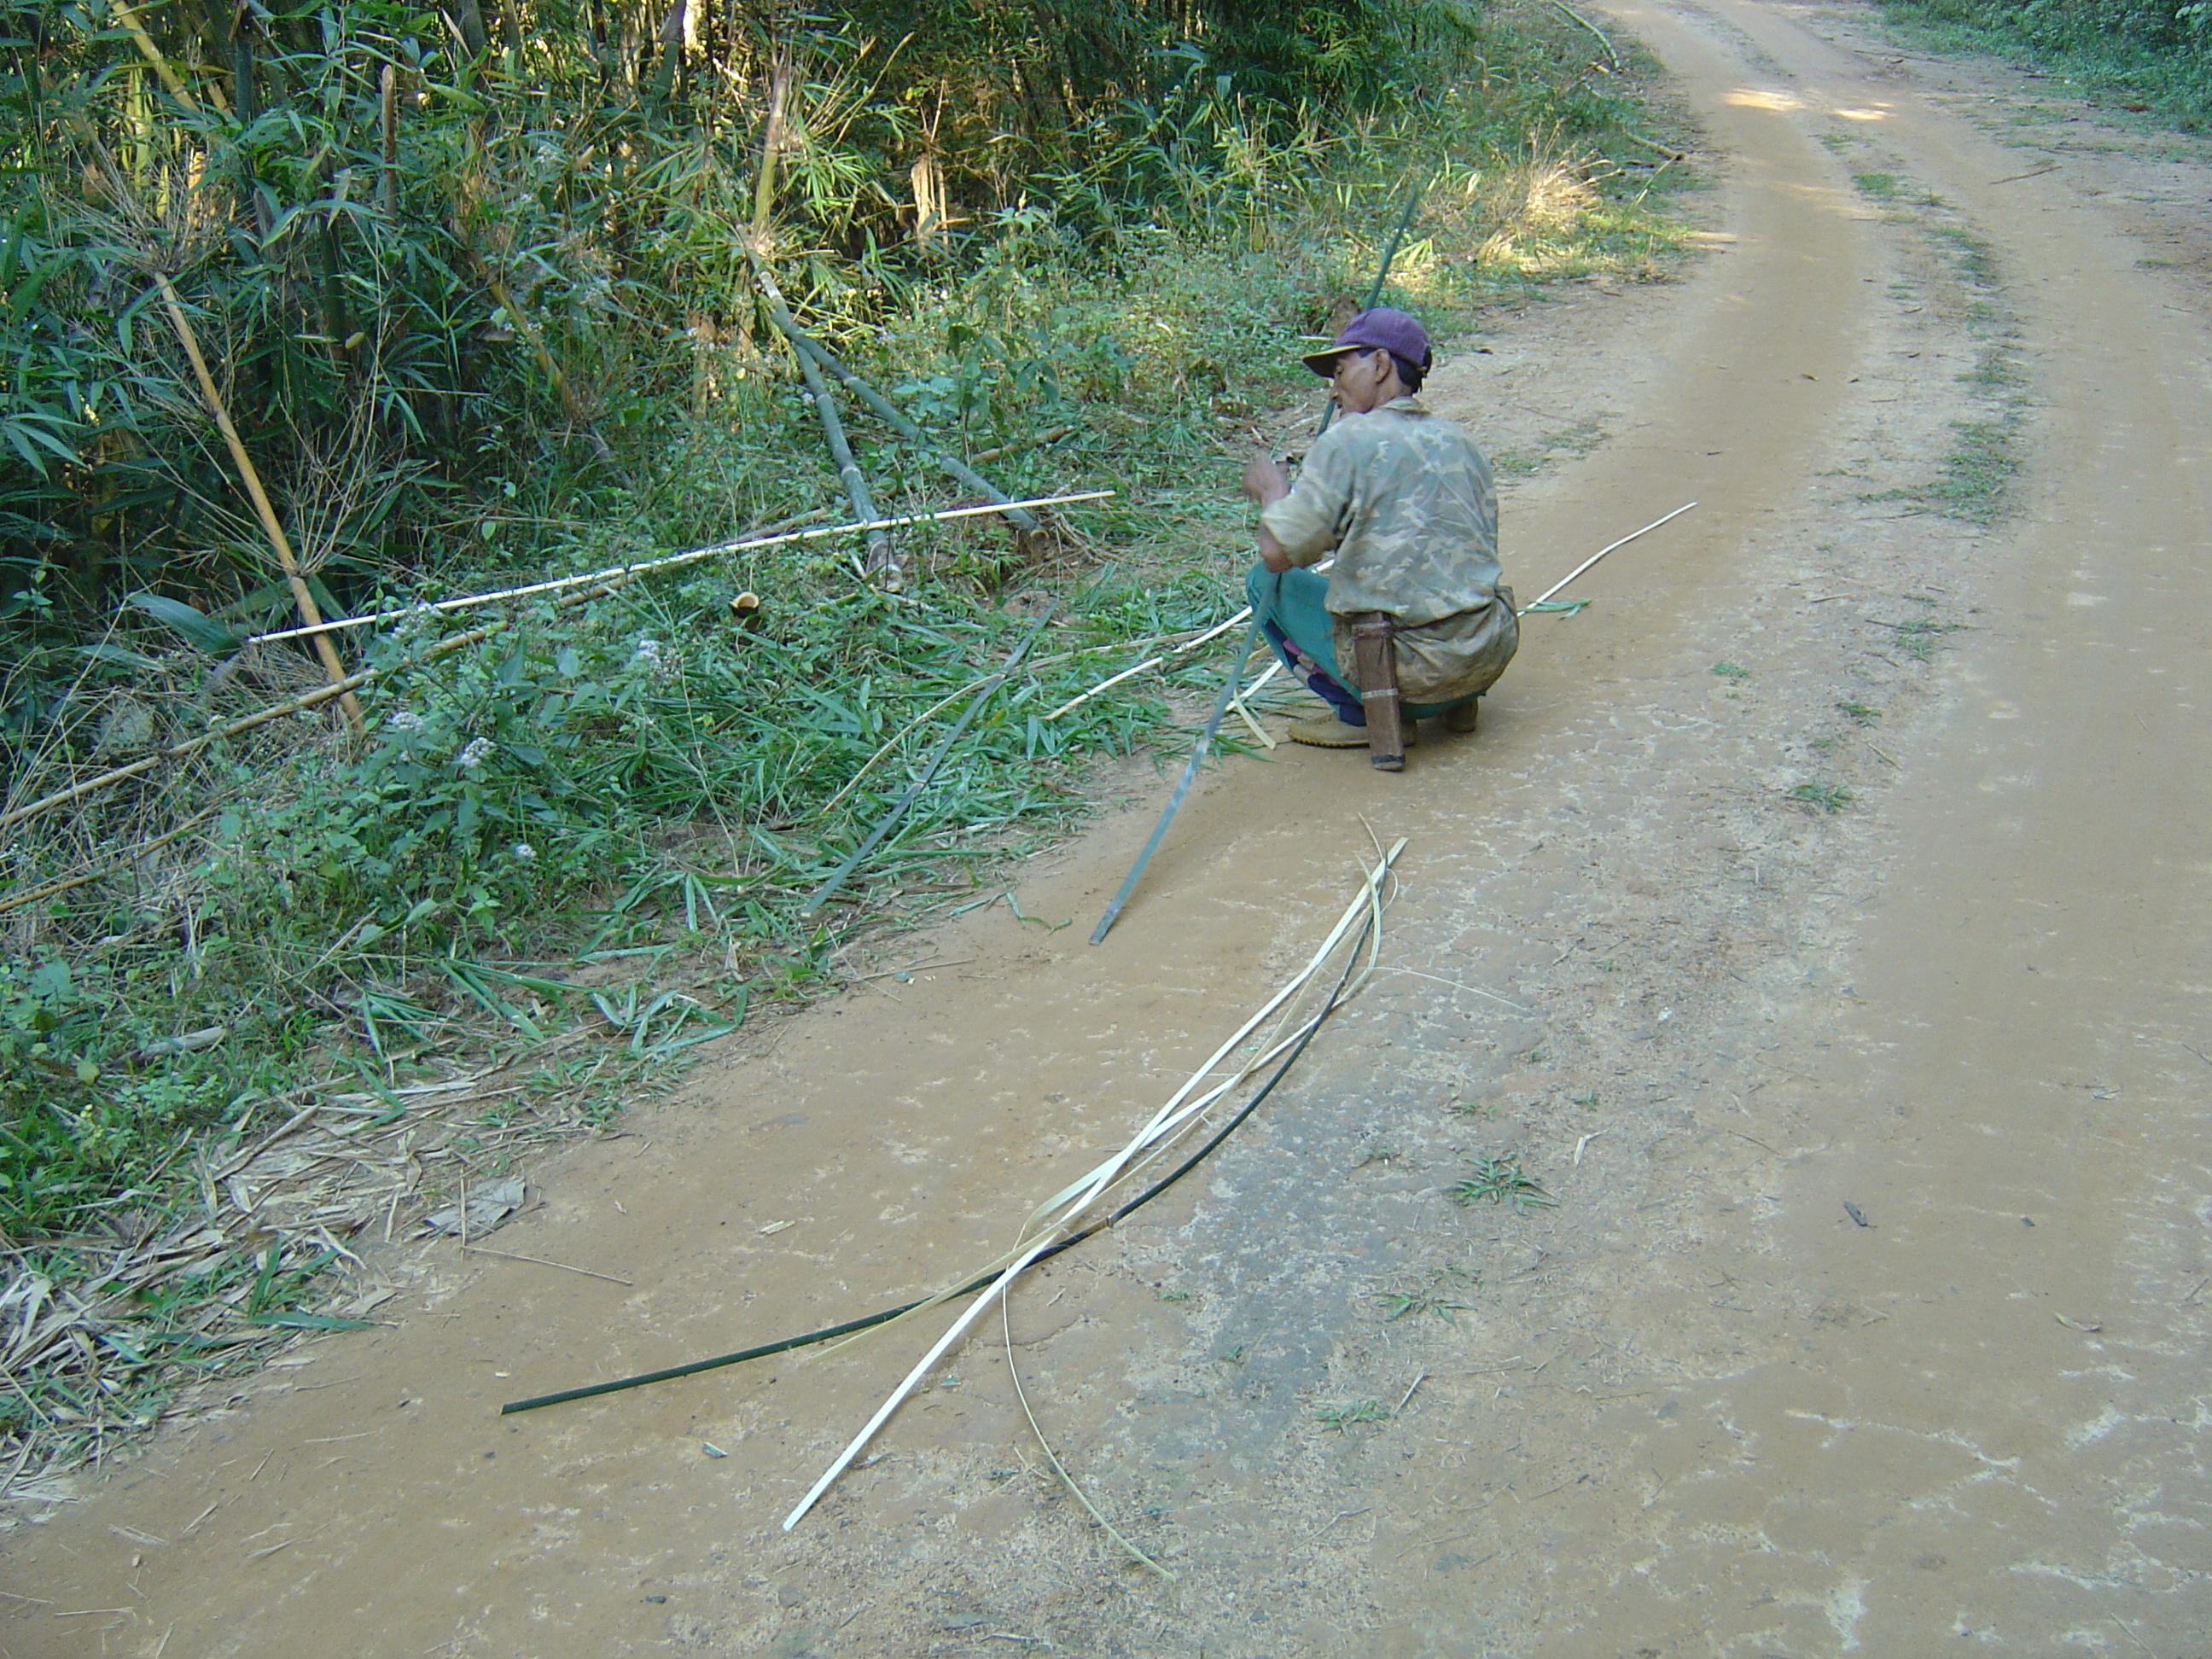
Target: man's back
[[1407, 504]]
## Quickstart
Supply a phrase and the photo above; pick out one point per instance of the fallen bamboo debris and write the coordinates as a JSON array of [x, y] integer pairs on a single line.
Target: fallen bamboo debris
[[676, 561], [323, 1177], [1287, 1053]]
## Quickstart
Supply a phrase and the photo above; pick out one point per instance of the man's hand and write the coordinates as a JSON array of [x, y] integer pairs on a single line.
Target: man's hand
[[1265, 481]]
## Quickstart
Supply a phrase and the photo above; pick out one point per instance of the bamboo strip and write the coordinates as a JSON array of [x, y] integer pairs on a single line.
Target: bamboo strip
[[1213, 633], [623, 572], [1075, 1199], [1600, 553]]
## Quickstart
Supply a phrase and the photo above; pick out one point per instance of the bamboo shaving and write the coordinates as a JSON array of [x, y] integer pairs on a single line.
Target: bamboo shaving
[[1062, 1214], [1211, 634], [1013, 1370], [1244, 713]]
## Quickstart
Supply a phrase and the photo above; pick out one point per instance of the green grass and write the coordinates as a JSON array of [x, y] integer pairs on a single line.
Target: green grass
[[1434, 1299], [1918, 639], [1859, 713], [1503, 1181], [1881, 186], [2085, 45], [1343, 1418], [1399, 1304], [1821, 797], [1729, 670]]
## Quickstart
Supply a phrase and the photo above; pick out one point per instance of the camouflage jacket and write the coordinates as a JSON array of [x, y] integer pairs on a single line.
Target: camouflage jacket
[[1407, 503]]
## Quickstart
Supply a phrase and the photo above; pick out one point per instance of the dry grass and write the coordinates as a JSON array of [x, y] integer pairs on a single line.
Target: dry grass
[[114, 1331]]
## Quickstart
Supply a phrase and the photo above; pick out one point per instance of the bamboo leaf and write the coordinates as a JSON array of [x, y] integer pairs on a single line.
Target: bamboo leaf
[[199, 630]]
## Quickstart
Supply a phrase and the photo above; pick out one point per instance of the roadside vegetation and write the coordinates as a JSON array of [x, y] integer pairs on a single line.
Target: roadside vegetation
[[2151, 56], [480, 297]]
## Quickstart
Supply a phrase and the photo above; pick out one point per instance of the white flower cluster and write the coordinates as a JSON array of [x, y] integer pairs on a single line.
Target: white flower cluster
[[405, 720], [655, 659], [475, 754], [524, 851]]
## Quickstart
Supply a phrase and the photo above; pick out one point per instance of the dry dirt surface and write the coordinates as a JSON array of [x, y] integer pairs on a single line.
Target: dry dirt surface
[[1821, 918]]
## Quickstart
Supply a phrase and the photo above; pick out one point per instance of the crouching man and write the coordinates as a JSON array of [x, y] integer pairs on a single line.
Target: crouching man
[[1411, 622]]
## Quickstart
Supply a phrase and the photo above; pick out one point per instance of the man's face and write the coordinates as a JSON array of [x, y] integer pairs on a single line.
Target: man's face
[[1359, 379]]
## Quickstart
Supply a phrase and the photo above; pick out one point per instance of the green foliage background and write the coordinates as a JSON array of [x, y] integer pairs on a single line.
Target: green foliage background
[[1078, 245], [2149, 54]]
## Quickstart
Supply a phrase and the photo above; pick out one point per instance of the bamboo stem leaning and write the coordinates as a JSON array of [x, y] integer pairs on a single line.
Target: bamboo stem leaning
[[298, 583], [153, 54], [895, 418], [881, 561]]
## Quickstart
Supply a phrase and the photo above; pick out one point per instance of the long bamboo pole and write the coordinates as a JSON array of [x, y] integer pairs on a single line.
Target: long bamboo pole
[[674, 561], [332, 667], [881, 560]]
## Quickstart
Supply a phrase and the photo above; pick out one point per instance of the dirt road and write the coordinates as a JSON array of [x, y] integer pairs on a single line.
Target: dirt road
[[1821, 917]]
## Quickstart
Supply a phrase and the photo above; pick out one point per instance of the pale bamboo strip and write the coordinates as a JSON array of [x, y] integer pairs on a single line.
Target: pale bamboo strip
[[674, 561], [1600, 553], [1075, 1199], [1213, 633]]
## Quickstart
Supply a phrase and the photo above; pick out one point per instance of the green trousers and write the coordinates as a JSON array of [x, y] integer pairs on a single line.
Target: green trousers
[[1295, 619]]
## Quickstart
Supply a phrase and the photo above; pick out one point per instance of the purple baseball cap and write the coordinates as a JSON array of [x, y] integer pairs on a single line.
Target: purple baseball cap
[[1381, 329]]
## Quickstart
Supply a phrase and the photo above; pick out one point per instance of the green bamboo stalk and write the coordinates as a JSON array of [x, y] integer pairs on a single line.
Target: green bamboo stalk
[[895, 418], [880, 557]]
